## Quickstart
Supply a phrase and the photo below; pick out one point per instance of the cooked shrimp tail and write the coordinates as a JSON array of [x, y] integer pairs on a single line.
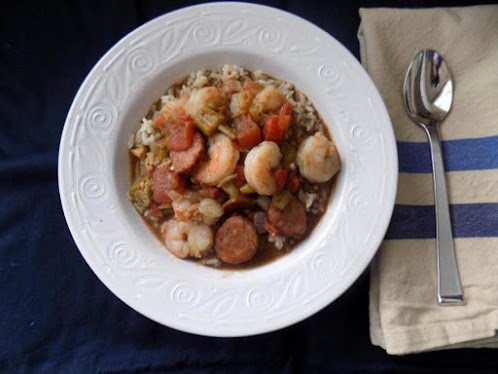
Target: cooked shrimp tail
[[221, 162]]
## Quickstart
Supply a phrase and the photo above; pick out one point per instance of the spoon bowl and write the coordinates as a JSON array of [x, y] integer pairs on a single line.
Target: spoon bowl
[[428, 88]]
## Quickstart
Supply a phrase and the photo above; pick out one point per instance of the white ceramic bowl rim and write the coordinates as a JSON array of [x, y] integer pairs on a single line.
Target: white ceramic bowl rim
[[93, 171]]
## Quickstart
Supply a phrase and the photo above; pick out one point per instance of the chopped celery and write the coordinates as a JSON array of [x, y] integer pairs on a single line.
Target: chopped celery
[[214, 104], [281, 199], [209, 121], [227, 131], [246, 189], [255, 112], [140, 193], [161, 154], [289, 152], [231, 190]]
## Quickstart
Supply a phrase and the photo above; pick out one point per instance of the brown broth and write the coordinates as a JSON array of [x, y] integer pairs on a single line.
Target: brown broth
[[266, 252]]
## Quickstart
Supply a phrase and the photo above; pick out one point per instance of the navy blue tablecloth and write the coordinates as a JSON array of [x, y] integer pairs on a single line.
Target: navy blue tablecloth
[[55, 315]]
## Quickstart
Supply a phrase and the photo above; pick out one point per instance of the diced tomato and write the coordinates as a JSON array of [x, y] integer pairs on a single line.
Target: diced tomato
[[248, 133], [286, 109], [271, 130], [154, 210], [280, 178], [270, 227], [212, 191], [181, 138], [240, 180], [275, 127], [292, 183], [237, 146], [183, 118]]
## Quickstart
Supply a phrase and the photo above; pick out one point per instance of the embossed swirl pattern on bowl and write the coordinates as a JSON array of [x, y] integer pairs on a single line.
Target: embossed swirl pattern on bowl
[[207, 301]]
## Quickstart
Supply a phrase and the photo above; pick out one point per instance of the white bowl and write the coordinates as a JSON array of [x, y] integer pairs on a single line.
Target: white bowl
[[132, 263]]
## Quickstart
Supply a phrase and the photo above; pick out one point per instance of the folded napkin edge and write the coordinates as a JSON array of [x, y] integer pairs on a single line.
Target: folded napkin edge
[[418, 338]]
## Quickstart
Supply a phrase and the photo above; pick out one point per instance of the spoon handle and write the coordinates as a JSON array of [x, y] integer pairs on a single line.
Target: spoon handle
[[449, 288]]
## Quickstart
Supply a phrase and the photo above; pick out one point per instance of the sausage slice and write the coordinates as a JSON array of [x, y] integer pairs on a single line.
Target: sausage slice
[[290, 221], [184, 161], [236, 240], [164, 181]]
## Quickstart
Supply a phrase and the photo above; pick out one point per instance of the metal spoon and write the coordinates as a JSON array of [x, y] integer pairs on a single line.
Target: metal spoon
[[428, 94]]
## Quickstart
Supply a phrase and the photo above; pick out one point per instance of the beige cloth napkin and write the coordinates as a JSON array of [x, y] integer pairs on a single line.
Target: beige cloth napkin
[[404, 315]]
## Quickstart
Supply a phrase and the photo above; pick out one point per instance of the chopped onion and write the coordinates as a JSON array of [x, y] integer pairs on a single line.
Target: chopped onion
[[281, 199], [259, 222]]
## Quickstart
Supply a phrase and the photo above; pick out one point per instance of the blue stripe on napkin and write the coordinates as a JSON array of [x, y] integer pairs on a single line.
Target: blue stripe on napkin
[[463, 154], [468, 221]]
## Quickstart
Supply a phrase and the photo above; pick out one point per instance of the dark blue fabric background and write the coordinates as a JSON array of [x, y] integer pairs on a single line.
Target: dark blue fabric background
[[55, 315]]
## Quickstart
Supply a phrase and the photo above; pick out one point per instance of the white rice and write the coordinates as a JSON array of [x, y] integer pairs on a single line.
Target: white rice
[[307, 198], [167, 98], [148, 133], [211, 262]]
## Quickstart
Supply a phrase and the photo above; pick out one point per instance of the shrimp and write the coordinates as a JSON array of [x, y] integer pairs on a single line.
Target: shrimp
[[171, 110], [185, 239], [269, 99], [184, 210], [242, 101], [258, 167], [318, 159], [185, 206], [204, 99], [222, 159], [207, 211], [210, 211]]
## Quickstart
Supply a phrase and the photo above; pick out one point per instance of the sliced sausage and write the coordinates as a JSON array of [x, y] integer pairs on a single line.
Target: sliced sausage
[[163, 182], [248, 133], [236, 240], [239, 203], [184, 161], [290, 221]]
